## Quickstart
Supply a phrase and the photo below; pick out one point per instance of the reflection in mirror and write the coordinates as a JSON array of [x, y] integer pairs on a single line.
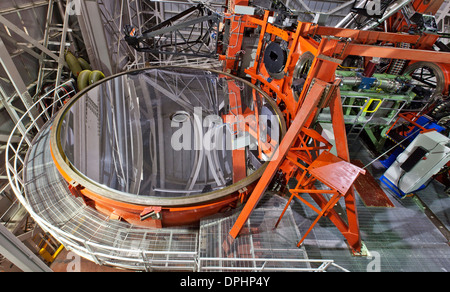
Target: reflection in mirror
[[169, 132]]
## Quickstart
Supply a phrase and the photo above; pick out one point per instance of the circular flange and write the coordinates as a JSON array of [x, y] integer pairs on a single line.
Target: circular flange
[[300, 73], [84, 113], [275, 58]]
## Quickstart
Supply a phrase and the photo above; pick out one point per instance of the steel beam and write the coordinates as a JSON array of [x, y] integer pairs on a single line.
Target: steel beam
[[397, 53], [16, 9], [15, 251], [17, 82], [346, 21], [94, 36], [26, 37], [301, 118], [61, 60], [340, 7], [441, 18], [11, 111]]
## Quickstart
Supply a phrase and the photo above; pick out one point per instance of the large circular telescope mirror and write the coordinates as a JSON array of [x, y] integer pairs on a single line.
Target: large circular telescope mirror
[[166, 146]]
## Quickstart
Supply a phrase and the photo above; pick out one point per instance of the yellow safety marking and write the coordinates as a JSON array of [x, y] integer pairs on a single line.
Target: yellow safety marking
[[370, 103]]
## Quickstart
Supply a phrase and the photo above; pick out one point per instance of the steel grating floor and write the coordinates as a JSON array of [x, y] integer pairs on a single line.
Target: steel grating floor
[[259, 246], [398, 239], [90, 233], [195, 248]]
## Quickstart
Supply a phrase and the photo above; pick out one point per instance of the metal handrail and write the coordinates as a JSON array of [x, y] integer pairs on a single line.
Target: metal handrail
[[80, 246], [324, 264], [101, 253]]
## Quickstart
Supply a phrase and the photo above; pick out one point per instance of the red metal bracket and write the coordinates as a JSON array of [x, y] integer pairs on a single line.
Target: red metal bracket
[[151, 212], [75, 189], [337, 174]]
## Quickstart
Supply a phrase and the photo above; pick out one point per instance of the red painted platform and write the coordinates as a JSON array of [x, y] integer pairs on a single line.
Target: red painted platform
[[335, 172], [369, 190]]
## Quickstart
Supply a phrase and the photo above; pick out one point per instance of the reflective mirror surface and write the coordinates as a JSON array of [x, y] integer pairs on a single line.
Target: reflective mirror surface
[[169, 132]]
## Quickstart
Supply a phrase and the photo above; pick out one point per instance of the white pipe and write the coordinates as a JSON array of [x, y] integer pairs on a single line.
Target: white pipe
[[343, 23], [393, 8]]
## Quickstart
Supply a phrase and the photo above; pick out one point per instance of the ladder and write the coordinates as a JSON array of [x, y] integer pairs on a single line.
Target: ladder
[[355, 132], [361, 120], [55, 41]]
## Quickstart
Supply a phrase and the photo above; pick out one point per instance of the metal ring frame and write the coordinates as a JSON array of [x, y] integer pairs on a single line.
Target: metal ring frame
[[65, 166]]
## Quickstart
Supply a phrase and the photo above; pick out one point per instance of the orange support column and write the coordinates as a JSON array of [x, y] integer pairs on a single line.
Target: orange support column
[[304, 113], [239, 165], [352, 233]]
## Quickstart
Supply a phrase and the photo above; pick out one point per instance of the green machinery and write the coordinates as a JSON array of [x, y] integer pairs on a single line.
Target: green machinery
[[371, 104]]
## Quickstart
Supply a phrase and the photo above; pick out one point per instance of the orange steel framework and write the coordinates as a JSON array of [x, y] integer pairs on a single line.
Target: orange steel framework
[[238, 155], [303, 153], [397, 22]]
